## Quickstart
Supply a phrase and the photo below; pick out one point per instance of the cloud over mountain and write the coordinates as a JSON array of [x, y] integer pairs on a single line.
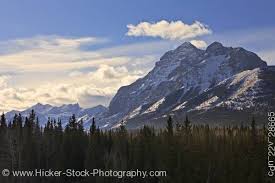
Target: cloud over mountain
[[174, 30], [199, 43]]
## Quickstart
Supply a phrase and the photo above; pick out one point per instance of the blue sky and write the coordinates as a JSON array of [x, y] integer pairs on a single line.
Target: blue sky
[[25, 18], [48, 47]]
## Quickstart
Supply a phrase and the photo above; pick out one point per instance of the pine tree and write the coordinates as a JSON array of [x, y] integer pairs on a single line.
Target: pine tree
[[169, 126], [122, 129], [253, 131], [187, 125], [5, 150], [93, 127], [3, 123]]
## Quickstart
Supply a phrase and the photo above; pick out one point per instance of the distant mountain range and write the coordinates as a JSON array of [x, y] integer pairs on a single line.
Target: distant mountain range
[[64, 112], [219, 85]]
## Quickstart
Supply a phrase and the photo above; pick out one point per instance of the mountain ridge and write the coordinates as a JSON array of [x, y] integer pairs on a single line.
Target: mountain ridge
[[63, 112]]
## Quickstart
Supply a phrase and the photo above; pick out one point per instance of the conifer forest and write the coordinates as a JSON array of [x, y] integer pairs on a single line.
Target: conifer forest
[[187, 152]]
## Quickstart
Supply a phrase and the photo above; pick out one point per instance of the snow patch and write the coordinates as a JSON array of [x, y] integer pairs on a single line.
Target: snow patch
[[134, 113], [207, 104], [248, 79], [155, 106], [181, 106]]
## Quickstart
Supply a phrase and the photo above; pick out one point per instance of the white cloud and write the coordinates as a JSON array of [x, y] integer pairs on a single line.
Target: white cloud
[[50, 53], [75, 73], [87, 89], [56, 70], [174, 30], [199, 43], [52, 43], [268, 55]]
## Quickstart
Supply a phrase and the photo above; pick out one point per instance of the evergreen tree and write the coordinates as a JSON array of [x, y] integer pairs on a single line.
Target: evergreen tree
[[187, 125], [253, 131], [93, 127], [3, 123], [5, 150], [169, 126]]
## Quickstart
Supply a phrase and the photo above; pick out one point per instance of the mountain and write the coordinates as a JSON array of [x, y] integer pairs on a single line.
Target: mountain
[[64, 112], [219, 80]]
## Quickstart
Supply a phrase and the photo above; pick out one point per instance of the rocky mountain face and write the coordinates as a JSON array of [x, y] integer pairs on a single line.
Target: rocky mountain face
[[194, 81], [64, 112]]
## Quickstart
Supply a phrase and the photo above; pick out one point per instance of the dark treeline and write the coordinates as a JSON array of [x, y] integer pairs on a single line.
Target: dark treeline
[[197, 154]]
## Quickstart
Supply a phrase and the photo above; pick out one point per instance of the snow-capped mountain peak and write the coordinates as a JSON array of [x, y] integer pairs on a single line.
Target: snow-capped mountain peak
[[181, 74]]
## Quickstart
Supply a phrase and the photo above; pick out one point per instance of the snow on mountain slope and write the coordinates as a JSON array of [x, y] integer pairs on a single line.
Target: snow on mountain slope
[[232, 101], [244, 88], [64, 112], [250, 92], [155, 106], [242, 91], [207, 104], [180, 74]]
